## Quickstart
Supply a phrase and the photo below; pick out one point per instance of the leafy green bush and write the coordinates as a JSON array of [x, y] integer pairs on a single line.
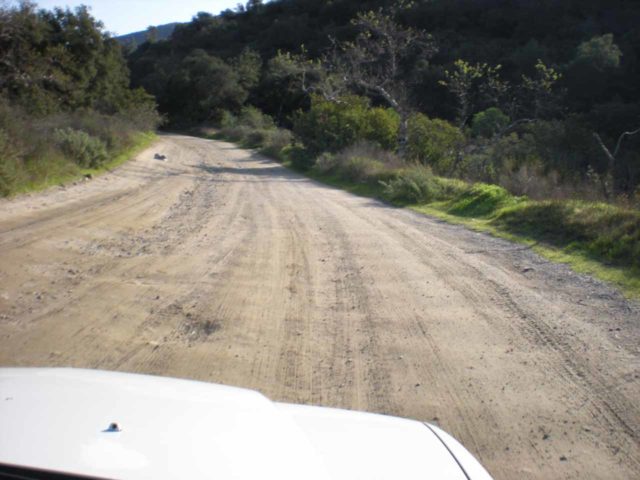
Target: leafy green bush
[[333, 126], [253, 118], [489, 122], [235, 133], [381, 127], [413, 185], [255, 138], [326, 163], [276, 140], [360, 169], [9, 165], [299, 157], [85, 150], [433, 142]]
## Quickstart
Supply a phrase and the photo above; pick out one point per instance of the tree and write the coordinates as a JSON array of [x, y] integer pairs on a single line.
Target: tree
[[247, 67], [202, 87], [434, 142], [611, 160], [480, 86], [600, 52], [589, 75], [60, 60], [378, 63], [472, 85], [151, 35]]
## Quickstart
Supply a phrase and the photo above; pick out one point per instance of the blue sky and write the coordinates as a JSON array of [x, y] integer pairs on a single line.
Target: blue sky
[[126, 16]]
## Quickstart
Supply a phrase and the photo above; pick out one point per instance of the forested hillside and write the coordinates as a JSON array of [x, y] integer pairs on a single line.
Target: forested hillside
[[151, 34], [561, 70], [65, 97]]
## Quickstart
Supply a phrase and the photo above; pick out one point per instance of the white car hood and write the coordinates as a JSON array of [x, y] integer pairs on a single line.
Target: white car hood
[[58, 420]]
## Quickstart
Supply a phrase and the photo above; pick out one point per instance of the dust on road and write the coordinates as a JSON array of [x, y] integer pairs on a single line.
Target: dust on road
[[220, 265]]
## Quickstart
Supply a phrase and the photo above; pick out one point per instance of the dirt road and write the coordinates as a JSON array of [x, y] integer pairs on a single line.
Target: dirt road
[[220, 265]]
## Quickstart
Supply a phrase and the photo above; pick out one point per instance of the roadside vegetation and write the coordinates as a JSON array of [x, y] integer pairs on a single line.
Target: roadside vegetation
[[535, 137], [467, 110], [594, 236], [66, 108]]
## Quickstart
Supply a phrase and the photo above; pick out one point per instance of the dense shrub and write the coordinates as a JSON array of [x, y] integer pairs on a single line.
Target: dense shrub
[[362, 162], [489, 122], [433, 142], [85, 150], [235, 133], [253, 118], [256, 138], [299, 157], [333, 126], [254, 129], [9, 165], [326, 163], [381, 127], [360, 169], [412, 185], [276, 140]]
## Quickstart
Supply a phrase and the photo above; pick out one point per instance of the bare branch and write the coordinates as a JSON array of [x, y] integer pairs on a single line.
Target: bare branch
[[604, 148], [619, 144]]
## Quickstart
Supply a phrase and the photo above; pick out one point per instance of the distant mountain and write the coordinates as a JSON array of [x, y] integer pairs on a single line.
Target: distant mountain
[[161, 32]]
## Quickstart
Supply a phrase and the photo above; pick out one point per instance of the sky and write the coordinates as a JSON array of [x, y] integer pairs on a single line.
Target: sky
[[126, 16]]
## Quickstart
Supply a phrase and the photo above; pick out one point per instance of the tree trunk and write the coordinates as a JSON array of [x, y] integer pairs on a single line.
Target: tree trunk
[[403, 134]]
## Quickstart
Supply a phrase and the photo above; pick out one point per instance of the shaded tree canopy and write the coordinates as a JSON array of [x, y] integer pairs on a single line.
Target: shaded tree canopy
[[61, 60]]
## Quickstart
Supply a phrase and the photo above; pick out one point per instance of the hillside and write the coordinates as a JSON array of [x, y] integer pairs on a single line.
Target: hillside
[[159, 32], [589, 52]]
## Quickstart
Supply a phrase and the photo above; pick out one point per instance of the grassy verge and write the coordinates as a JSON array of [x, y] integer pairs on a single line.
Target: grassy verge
[[60, 171], [141, 141], [577, 253], [595, 238]]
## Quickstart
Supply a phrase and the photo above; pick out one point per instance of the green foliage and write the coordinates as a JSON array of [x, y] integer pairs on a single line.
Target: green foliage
[[412, 185], [361, 163], [489, 122], [360, 169], [247, 67], [254, 129], [65, 100], [381, 127], [433, 142], [332, 126], [481, 200], [202, 87], [471, 84], [82, 148], [9, 165], [299, 157], [60, 60], [603, 231], [599, 52], [275, 142], [326, 164], [254, 118]]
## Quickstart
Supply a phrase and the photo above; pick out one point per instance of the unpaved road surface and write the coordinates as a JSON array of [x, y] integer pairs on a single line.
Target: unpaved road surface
[[220, 265]]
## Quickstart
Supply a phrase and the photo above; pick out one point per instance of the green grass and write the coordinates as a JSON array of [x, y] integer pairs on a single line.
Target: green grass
[[141, 141], [50, 172], [576, 254]]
